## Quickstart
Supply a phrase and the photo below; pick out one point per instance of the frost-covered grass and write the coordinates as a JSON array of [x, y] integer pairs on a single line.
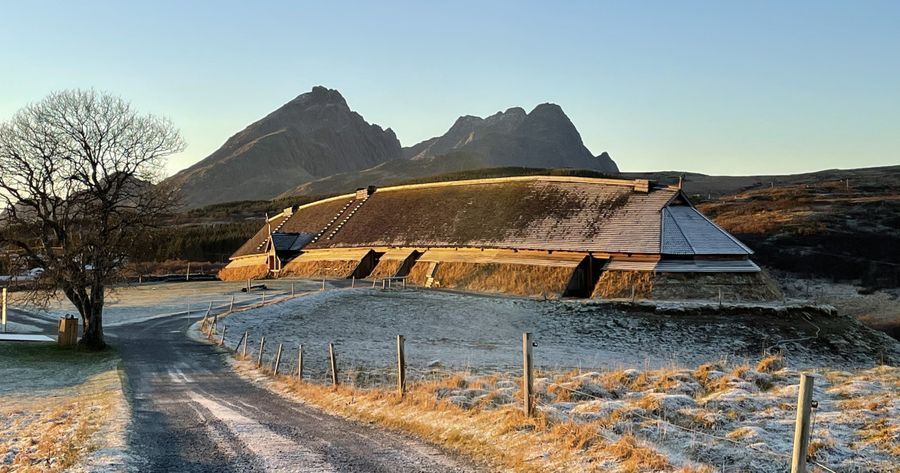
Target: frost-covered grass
[[651, 400], [57, 406], [479, 333], [712, 417]]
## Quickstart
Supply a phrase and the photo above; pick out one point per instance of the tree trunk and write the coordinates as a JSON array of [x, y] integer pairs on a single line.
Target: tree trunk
[[90, 307], [92, 335]]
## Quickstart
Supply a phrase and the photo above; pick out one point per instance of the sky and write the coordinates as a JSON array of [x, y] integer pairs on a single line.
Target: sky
[[736, 88]]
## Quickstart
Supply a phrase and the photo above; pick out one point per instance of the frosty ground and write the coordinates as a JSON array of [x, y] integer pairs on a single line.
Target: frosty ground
[[477, 333], [618, 389], [616, 385]]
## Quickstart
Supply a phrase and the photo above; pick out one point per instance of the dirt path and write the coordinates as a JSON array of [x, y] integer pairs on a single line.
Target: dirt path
[[192, 413]]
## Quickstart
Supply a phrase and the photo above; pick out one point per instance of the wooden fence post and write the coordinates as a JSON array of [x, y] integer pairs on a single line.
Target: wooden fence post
[[246, 342], [231, 307], [300, 362], [249, 284], [323, 283], [801, 428], [334, 373], [262, 346], [224, 328], [401, 365], [527, 374], [3, 309], [277, 359], [264, 297], [237, 348], [292, 288], [353, 282]]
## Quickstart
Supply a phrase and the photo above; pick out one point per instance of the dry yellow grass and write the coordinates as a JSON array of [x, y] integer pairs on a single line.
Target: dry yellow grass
[[501, 437], [518, 279], [418, 273], [53, 431], [321, 268], [242, 273], [618, 284], [386, 268], [770, 364]]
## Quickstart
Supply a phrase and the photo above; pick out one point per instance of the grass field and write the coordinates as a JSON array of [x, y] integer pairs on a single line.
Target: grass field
[[717, 416], [58, 406]]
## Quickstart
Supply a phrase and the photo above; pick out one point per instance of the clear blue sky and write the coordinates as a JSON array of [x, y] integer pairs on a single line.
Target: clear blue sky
[[715, 87]]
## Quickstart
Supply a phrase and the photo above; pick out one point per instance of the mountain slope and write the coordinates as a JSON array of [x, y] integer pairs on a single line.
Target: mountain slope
[[544, 138], [313, 136]]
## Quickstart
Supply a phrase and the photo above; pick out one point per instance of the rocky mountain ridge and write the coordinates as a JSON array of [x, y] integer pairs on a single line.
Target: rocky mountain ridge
[[316, 143]]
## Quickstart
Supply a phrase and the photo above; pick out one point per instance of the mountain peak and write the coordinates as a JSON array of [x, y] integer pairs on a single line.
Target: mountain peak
[[315, 135], [543, 138], [319, 95]]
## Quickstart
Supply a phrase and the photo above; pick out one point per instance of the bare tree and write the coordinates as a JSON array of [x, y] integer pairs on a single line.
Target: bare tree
[[79, 174]]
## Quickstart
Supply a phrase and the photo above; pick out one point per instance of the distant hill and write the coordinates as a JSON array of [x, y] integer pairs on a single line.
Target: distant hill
[[313, 136]]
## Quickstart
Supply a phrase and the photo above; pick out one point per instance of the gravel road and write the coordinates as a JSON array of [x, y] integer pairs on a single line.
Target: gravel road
[[193, 414]]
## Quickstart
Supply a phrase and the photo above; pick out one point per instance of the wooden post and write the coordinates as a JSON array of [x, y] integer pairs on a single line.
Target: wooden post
[[262, 346], [237, 348], [300, 362], [353, 282], [246, 342], [204, 324], [231, 306], [331, 356], [264, 297], [527, 374], [249, 281], [224, 328], [187, 277], [632, 293], [277, 359], [323, 283], [292, 288], [3, 309], [801, 428], [401, 366]]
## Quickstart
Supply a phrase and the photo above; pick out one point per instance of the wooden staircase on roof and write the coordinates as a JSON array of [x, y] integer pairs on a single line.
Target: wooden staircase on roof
[[331, 223], [340, 219]]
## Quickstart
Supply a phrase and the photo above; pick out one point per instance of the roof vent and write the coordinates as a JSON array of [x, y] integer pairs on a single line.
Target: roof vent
[[364, 192], [642, 186]]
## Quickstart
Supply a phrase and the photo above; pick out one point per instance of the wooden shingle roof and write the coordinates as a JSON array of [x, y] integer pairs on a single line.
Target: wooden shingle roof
[[522, 213]]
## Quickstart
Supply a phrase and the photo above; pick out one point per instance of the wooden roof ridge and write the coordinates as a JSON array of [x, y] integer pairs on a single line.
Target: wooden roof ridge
[[494, 180], [632, 183]]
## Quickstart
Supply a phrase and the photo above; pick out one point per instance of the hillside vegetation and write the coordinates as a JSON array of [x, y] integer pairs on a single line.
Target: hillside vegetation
[[832, 228]]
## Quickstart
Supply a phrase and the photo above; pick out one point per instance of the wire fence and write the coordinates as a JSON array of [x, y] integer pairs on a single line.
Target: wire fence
[[312, 364]]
